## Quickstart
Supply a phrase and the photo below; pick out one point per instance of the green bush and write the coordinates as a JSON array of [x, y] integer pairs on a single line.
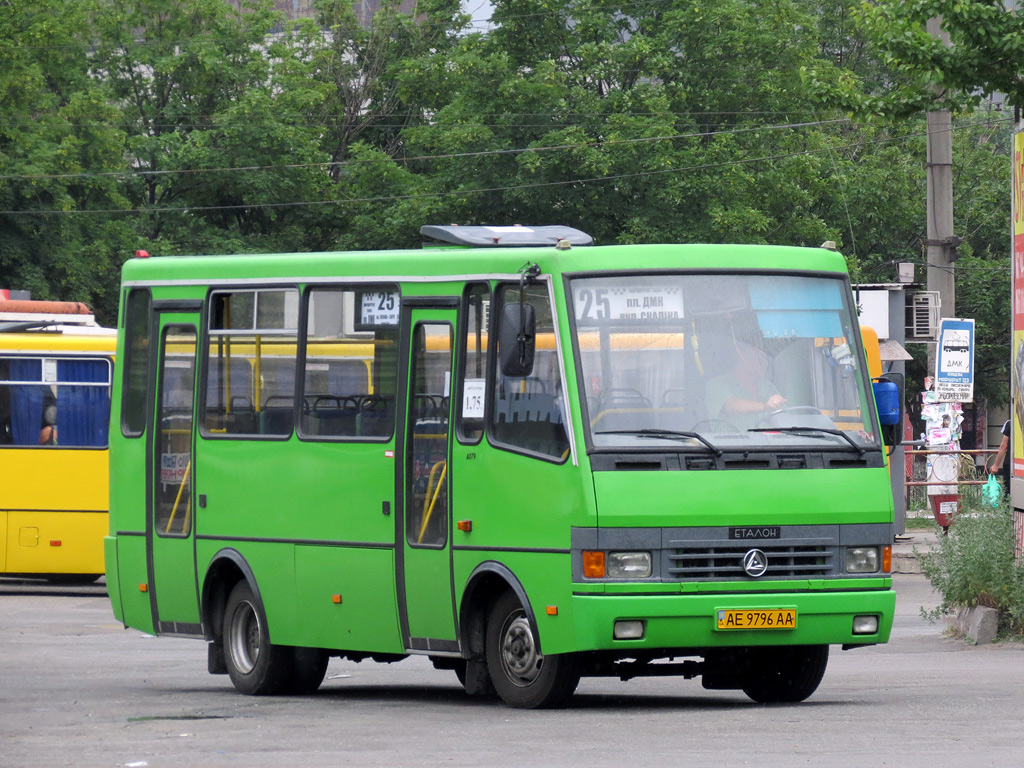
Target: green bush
[[975, 565]]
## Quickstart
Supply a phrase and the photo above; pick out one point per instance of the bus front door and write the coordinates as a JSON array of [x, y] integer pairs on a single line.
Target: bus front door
[[426, 597], [171, 516]]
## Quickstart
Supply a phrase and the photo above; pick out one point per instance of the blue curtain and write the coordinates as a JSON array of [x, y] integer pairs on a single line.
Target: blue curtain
[[26, 401], [82, 412]]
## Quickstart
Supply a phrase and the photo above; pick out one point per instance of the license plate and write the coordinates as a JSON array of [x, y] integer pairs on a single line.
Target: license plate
[[768, 618]]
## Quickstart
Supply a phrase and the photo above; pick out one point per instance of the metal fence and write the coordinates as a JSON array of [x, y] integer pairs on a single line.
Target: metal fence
[[971, 475]]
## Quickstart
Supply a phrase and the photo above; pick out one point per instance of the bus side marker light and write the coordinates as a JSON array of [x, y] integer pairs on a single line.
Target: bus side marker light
[[55, 542], [143, 587], [465, 525], [887, 559], [593, 564], [552, 610], [336, 599]]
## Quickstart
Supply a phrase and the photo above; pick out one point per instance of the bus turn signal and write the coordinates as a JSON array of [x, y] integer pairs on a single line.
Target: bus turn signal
[[593, 564]]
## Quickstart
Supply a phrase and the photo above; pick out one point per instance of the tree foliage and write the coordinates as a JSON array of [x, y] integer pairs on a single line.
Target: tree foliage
[[217, 126]]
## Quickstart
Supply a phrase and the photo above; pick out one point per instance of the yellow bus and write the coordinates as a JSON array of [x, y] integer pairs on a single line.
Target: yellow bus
[[55, 372]]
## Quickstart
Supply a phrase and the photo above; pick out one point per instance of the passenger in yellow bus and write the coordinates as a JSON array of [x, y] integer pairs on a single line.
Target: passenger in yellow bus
[[48, 434], [745, 396]]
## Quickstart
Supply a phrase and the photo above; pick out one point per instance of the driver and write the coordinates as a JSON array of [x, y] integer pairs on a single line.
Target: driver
[[746, 395]]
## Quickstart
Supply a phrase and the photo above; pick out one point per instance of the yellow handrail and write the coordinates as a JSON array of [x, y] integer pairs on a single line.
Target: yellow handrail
[[177, 501], [428, 508]]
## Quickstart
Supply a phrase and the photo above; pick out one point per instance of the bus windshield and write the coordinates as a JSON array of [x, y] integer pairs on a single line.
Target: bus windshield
[[724, 361]]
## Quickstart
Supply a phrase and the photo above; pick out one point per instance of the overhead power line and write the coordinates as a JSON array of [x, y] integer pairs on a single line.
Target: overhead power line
[[566, 182], [449, 193], [418, 158]]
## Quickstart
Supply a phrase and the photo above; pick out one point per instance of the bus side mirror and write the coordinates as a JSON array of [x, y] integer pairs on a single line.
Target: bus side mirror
[[889, 392], [517, 339]]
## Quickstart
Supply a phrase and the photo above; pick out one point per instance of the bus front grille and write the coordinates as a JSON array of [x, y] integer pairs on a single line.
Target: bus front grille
[[710, 562]]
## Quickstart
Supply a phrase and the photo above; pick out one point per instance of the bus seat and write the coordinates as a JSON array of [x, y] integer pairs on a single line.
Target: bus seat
[[519, 407], [333, 415], [376, 416], [532, 420], [276, 421], [623, 397], [240, 421], [614, 419]]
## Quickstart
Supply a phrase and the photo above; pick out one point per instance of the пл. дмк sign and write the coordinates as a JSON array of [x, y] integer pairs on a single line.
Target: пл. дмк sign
[[954, 361]]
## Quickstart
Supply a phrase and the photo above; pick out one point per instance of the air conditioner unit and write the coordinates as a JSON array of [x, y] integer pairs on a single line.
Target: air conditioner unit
[[924, 316]]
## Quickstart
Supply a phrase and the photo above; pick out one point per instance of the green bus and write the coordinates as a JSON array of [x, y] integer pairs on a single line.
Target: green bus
[[524, 456]]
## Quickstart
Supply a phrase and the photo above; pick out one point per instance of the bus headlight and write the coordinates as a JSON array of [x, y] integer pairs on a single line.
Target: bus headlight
[[865, 625], [629, 565], [862, 559]]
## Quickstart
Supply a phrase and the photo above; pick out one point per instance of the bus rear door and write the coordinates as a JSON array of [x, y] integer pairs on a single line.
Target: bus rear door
[[171, 515], [426, 598]]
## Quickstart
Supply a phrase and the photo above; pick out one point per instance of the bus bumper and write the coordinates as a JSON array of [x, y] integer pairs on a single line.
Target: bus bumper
[[691, 621]]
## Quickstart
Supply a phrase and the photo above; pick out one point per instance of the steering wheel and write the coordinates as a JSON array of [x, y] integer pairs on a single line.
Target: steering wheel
[[715, 426], [791, 410]]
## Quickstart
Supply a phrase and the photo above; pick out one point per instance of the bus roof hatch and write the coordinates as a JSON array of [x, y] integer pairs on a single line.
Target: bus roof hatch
[[515, 236]]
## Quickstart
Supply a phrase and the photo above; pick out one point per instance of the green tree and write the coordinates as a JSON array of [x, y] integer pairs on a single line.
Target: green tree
[[985, 55], [57, 143], [218, 153]]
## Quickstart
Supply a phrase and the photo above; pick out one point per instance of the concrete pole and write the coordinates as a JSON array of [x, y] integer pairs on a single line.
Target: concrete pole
[[940, 204]]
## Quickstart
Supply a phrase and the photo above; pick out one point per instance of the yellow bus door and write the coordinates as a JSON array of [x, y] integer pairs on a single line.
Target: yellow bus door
[[171, 519], [426, 598]]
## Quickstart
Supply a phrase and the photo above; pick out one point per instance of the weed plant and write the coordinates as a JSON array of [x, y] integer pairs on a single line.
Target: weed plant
[[975, 565]]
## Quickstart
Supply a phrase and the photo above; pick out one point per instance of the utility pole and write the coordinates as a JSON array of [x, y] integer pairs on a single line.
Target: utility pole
[[941, 242]]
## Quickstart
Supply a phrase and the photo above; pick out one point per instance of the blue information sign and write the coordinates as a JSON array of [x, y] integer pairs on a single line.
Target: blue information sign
[[954, 363]]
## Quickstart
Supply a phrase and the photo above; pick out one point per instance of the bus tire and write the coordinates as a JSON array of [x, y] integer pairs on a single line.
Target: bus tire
[[255, 665], [785, 674], [309, 665], [522, 677]]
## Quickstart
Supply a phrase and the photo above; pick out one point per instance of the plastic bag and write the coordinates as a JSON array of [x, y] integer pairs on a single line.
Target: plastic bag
[[992, 492]]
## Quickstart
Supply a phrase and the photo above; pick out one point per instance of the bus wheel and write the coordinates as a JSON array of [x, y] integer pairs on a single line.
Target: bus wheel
[[787, 674], [256, 667], [309, 665], [522, 677]]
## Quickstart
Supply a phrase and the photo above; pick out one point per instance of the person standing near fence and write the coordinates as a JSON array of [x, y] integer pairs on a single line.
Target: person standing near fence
[[999, 463]]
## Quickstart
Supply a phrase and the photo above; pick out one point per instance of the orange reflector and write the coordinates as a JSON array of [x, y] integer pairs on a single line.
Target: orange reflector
[[143, 587], [886, 559], [336, 599], [465, 525], [552, 610], [54, 542], [593, 564]]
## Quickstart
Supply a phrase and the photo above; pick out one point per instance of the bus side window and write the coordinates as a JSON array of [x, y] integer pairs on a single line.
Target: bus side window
[[251, 359], [136, 363], [55, 401], [474, 346], [350, 373], [528, 413]]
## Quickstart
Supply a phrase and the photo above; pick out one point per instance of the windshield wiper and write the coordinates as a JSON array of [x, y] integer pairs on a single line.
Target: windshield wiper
[[666, 434], [859, 448]]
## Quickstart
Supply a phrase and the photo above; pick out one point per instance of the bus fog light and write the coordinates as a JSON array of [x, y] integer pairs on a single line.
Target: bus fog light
[[628, 630], [629, 565], [865, 625], [862, 559]]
